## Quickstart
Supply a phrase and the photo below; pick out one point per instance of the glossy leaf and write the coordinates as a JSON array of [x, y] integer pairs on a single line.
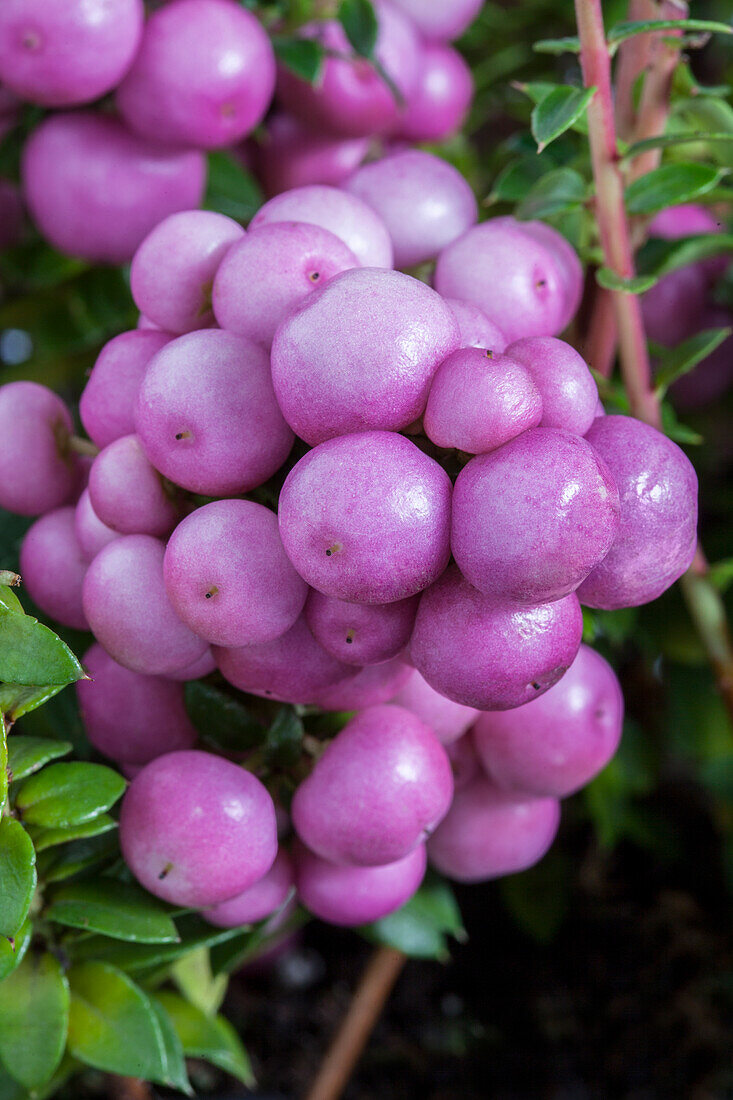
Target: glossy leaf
[[19, 699], [67, 860], [12, 951], [359, 21], [69, 794], [49, 838], [516, 180], [559, 190], [17, 875], [622, 31], [209, 1037], [538, 898], [8, 599], [557, 112], [112, 1025], [670, 185], [569, 44], [194, 977], [4, 776], [302, 56], [663, 141], [685, 357], [27, 755], [284, 739], [174, 1073], [30, 653], [231, 189], [421, 927], [115, 909], [609, 280], [659, 257], [222, 719], [133, 957], [34, 1017]]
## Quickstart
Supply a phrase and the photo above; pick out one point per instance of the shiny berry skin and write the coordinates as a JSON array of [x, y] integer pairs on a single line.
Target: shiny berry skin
[[107, 405], [36, 473], [53, 566]]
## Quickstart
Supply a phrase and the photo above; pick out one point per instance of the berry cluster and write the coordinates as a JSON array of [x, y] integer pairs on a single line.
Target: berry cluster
[[197, 75], [448, 491]]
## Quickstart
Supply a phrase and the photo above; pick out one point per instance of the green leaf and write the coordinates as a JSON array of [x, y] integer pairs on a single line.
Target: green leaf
[[570, 44], [622, 31], [209, 1037], [670, 185], [49, 838], [193, 931], [30, 653], [663, 141], [359, 21], [284, 739], [516, 180], [69, 794], [659, 257], [721, 574], [17, 875], [19, 699], [672, 427], [420, 928], [559, 190], [112, 1025], [609, 280], [222, 719], [29, 754], [9, 1088], [685, 356], [557, 112], [115, 909], [231, 189], [4, 777], [61, 863], [302, 56], [195, 979], [34, 1016], [8, 599], [538, 898], [174, 1072], [13, 951]]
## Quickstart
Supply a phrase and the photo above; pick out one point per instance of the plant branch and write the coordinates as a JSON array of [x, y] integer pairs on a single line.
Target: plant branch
[[703, 599], [380, 975]]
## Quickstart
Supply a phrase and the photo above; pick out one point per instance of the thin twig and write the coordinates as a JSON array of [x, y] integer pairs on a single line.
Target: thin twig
[[599, 343], [633, 58], [380, 975]]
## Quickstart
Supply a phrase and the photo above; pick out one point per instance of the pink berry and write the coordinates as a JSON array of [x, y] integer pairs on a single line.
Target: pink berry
[[130, 717], [350, 97], [479, 401], [371, 686], [516, 280], [360, 634], [197, 669], [489, 832], [440, 20], [173, 269], [53, 566], [381, 786], [203, 76], [365, 518], [207, 415], [448, 720], [61, 53], [129, 613], [569, 267], [424, 201], [673, 306], [463, 761], [356, 895], [109, 187], [127, 494], [476, 330], [36, 473], [533, 518], [291, 155], [712, 377], [657, 533], [398, 332], [228, 577], [92, 535], [490, 656], [344, 215], [272, 270], [568, 389], [221, 840], [293, 668], [439, 102], [258, 901], [107, 406]]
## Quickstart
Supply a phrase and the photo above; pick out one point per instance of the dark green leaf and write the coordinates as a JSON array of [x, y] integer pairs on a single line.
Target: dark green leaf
[[34, 1016], [659, 257], [622, 31], [670, 185], [4, 776], [514, 182], [13, 951], [284, 739], [721, 574], [174, 1072], [34, 265], [29, 754], [112, 1025], [685, 356], [222, 719], [558, 190], [59, 864], [69, 794], [557, 112], [115, 909], [49, 838], [303, 56], [193, 930], [359, 21], [9, 1088], [209, 1037], [19, 699], [672, 427], [421, 927], [662, 141], [17, 875], [30, 653], [609, 280], [538, 898], [231, 189]]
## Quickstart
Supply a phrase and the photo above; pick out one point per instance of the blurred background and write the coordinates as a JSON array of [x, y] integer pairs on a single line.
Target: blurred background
[[608, 969]]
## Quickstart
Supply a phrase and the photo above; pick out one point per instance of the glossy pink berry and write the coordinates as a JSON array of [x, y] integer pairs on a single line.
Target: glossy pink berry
[[107, 405], [53, 566], [360, 634], [36, 472], [258, 901]]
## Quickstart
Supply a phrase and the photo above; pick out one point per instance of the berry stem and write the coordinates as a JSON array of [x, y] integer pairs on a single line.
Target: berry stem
[[81, 446], [381, 973], [703, 599]]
